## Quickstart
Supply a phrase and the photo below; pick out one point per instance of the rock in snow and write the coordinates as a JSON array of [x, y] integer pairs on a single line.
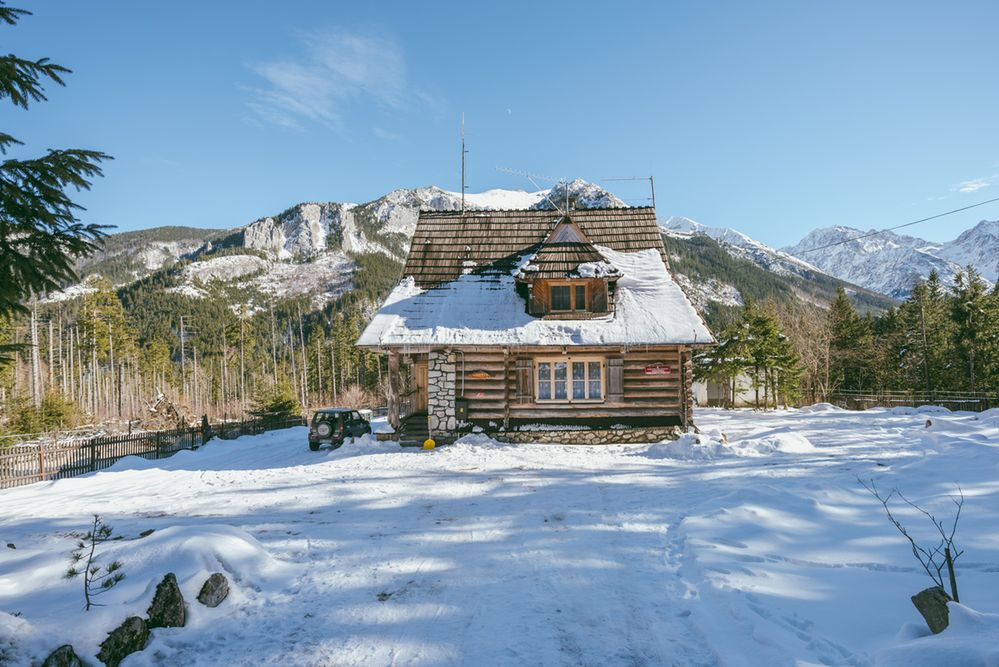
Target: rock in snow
[[214, 590], [167, 608], [932, 604], [64, 656], [127, 638]]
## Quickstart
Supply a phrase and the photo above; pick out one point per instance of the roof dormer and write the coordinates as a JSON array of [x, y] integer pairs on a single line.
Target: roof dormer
[[567, 277]]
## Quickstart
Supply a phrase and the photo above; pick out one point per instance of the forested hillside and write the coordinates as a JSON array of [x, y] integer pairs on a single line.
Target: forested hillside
[[707, 269]]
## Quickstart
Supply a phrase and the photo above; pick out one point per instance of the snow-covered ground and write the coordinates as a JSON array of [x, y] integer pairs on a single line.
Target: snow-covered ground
[[757, 548]]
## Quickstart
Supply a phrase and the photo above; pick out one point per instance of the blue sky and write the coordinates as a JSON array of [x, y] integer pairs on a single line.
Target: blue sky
[[771, 117]]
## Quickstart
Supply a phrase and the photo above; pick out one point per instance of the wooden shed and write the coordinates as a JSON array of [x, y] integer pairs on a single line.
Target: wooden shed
[[536, 325]]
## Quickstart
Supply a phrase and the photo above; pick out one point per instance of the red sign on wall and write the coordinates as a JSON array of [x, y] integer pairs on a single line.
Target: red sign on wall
[[658, 369]]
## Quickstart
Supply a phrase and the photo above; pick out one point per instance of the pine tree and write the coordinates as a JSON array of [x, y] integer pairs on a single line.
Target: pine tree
[[970, 312], [850, 344], [40, 234]]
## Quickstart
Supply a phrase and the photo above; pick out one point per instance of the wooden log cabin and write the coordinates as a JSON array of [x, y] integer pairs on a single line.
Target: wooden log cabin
[[538, 326]]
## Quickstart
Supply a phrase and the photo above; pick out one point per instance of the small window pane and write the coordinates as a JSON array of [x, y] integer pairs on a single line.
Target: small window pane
[[580, 297], [544, 391], [578, 379], [544, 381], [594, 381], [560, 297], [560, 380]]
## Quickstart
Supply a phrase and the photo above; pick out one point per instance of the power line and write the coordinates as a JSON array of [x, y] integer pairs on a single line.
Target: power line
[[908, 224]]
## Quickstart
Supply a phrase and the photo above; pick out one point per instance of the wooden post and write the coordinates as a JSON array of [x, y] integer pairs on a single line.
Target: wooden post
[[41, 463], [393, 389], [686, 389], [506, 386]]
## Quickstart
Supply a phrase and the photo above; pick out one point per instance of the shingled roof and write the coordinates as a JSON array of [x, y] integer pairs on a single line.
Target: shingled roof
[[447, 244], [563, 253]]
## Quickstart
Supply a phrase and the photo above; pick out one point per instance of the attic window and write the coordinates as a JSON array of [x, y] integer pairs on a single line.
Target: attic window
[[567, 297]]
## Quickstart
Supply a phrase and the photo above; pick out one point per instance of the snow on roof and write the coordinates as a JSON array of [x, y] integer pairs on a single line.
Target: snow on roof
[[483, 308]]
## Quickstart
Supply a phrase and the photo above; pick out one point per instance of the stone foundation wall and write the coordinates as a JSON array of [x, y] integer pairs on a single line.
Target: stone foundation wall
[[606, 436], [440, 394]]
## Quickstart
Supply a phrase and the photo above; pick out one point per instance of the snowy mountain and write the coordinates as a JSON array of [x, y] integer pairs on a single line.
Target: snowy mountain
[[720, 267], [742, 246], [891, 263], [979, 247], [129, 256]]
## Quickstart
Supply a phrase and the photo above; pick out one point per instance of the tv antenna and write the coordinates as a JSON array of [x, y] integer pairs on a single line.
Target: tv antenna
[[463, 151], [650, 179], [534, 178]]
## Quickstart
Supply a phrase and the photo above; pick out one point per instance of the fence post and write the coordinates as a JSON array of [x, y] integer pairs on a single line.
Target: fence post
[[157, 445], [41, 463], [93, 455]]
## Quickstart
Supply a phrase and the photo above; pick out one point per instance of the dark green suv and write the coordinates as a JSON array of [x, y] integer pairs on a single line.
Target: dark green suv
[[333, 426]]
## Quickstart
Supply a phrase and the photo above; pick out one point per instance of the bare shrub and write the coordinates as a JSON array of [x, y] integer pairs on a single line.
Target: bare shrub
[[934, 559], [356, 396]]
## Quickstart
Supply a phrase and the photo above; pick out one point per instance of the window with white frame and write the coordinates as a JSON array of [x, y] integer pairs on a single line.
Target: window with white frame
[[569, 379]]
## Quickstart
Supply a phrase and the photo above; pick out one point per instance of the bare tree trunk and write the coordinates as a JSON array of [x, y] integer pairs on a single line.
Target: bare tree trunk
[[319, 369], [333, 370], [36, 373], [51, 357], [305, 363], [242, 366]]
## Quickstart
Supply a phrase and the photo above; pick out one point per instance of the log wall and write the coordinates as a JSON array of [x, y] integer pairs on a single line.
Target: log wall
[[488, 379]]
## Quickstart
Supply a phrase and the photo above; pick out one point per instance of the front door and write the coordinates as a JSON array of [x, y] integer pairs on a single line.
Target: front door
[[420, 393]]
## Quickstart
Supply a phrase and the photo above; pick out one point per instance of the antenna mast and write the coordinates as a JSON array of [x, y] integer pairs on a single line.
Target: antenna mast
[[650, 179], [463, 151]]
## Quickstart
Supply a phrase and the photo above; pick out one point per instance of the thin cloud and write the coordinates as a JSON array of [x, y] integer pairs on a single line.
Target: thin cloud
[[976, 184], [337, 69]]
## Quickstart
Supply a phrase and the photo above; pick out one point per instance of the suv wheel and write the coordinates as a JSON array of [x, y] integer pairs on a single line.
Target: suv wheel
[[314, 446]]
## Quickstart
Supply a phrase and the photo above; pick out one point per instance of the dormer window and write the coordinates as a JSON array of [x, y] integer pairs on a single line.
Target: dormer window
[[568, 297]]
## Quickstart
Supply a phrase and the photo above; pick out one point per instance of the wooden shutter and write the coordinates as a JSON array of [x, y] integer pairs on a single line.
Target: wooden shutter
[[525, 380], [599, 298], [615, 379]]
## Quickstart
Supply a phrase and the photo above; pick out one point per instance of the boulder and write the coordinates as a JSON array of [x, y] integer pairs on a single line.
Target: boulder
[[127, 638], [167, 608], [214, 591], [64, 656], [932, 604]]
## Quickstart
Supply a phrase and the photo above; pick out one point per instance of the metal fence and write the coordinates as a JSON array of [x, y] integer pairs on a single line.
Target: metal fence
[[952, 400], [38, 462]]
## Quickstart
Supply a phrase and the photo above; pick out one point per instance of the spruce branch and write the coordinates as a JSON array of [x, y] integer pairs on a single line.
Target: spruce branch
[[97, 578]]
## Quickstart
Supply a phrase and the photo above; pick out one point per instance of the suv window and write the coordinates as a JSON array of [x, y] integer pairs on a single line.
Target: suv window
[[325, 417], [355, 416]]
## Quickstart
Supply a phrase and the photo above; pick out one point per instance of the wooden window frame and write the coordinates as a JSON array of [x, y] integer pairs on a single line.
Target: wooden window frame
[[573, 306], [569, 360]]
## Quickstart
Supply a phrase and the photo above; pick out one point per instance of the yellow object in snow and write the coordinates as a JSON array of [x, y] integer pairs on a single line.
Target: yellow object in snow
[[429, 443]]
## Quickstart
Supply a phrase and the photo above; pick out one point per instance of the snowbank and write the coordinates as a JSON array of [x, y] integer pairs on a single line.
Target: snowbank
[[32, 583], [708, 446], [971, 639], [820, 407], [921, 410]]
